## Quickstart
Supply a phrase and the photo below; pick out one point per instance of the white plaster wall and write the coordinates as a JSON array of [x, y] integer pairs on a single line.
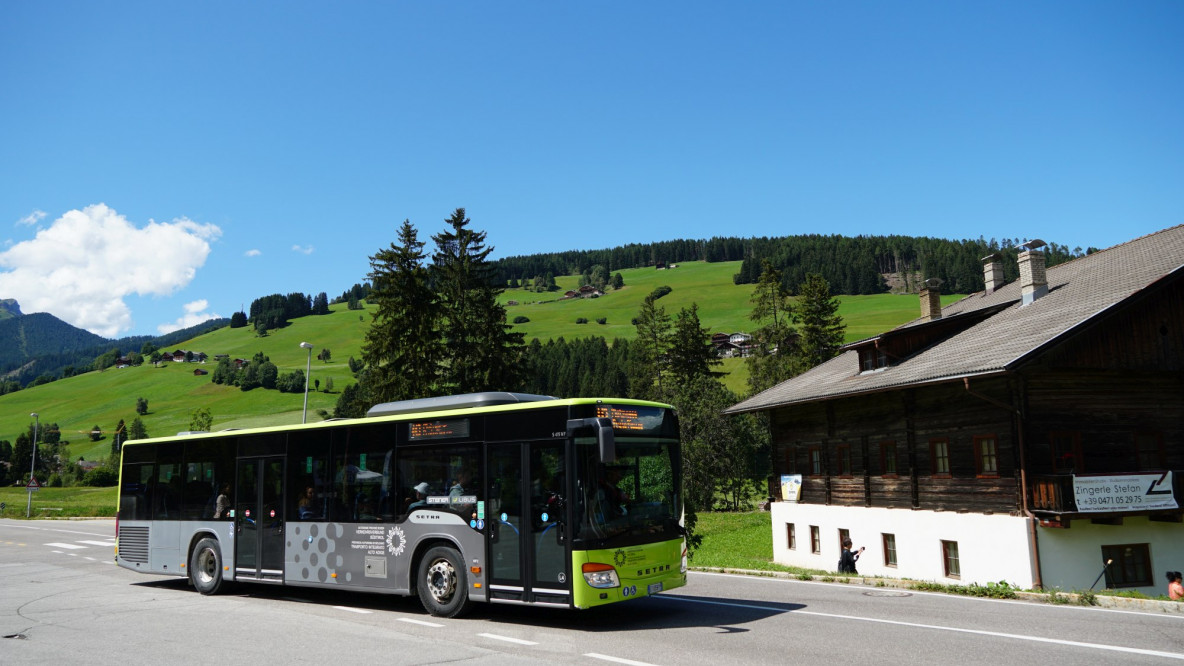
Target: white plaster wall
[[1071, 559], [991, 548]]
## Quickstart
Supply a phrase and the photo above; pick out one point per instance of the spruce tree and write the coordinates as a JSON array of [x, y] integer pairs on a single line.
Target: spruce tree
[[822, 328], [137, 430], [483, 352], [402, 348], [650, 350], [691, 353], [773, 358]]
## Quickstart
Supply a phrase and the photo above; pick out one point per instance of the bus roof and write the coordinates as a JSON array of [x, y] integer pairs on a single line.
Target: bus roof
[[447, 402], [428, 408]]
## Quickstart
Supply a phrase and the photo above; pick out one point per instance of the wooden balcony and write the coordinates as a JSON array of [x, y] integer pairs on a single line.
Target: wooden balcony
[[1054, 494]]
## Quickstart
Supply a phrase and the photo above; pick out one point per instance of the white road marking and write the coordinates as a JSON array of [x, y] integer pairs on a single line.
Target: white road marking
[[420, 622], [105, 544], [67, 546], [618, 660], [979, 632], [1058, 608], [54, 529], [360, 611], [507, 639]]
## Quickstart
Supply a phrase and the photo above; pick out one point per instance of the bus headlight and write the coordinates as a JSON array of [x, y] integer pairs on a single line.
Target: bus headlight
[[600, 575]]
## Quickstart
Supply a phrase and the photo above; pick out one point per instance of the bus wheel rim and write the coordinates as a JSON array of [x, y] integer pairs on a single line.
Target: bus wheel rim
[[207, 565], [441, 580]]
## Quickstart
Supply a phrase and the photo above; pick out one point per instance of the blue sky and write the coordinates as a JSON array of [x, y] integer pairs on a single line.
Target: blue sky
[[167, 162]]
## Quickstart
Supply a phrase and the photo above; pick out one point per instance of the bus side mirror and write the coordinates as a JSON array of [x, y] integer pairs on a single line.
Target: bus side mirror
[[605, 440]]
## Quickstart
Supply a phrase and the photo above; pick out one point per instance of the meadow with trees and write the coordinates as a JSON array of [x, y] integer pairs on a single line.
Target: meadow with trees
[[442, 317]]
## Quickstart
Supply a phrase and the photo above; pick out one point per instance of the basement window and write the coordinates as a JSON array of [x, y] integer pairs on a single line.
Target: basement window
[[950, 562], [1130, 565]]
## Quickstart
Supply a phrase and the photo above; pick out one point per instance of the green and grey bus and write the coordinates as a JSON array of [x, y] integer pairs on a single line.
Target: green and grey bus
[[484, 497]]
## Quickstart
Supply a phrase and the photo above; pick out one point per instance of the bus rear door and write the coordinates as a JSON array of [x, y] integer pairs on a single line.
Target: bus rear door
[[259, 519]]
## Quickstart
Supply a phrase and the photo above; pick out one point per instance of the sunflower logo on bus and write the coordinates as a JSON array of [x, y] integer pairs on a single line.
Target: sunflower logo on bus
[[396, 541]]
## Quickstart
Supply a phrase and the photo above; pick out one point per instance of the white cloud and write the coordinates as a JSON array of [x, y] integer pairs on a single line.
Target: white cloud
[[83, 265], [252, 253], [32, 218], [307, 249], [194, 314]]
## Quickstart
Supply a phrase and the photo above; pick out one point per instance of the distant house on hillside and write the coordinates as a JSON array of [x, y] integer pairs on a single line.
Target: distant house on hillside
[[199, 372], [586, 291]]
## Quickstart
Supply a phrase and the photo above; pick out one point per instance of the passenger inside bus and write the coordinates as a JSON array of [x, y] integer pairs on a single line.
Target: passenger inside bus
[[304, 508], [421, 497]]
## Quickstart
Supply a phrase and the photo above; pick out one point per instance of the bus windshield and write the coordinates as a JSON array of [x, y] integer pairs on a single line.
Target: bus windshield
[[630, 500]]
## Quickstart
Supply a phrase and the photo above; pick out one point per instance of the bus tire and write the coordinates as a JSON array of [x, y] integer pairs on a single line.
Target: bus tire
[[205, 567], [442, 585]]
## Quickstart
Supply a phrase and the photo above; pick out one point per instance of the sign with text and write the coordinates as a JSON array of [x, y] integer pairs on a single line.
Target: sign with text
[[1126, 492]]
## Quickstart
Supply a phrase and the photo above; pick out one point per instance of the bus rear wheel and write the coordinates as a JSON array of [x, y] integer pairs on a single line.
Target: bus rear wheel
[[443, 587], [205, 566]]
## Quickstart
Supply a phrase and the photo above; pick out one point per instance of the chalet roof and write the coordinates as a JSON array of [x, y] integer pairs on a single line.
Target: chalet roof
[[1078, 291]]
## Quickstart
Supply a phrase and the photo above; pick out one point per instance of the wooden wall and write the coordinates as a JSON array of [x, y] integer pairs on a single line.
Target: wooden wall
[[909, 419]]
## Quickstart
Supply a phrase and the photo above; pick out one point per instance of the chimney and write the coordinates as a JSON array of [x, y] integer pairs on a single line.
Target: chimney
[[1033, 282], [931, 300], [992, 272]]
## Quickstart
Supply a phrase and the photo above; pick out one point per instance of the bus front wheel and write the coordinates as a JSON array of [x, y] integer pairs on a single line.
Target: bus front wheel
[[205, 566], [443, 587]]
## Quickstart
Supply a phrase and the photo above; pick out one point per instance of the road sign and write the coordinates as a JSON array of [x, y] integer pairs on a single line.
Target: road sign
[[33, 485]]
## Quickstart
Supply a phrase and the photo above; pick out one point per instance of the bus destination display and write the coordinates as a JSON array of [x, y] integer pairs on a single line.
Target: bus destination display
[[631, 418], [438, 429]]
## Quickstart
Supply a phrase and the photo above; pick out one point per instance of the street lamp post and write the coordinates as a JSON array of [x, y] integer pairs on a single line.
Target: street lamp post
[[307, 372], [33, 467]]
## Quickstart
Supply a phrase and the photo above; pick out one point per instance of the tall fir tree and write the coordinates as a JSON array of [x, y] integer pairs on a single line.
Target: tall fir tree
[[691, 354], [402, 348], [773, 358], [483, 353], [822, 329], [137, 430], [650, 350]]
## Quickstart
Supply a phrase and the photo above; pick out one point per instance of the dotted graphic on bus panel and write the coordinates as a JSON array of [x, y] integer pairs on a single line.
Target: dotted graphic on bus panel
[[320, 551]]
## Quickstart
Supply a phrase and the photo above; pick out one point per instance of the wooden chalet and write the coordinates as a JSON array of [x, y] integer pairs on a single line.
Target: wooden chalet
[[1030, 433]]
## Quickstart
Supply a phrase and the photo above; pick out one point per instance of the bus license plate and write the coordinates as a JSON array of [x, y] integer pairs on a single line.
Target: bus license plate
[[654, 588]]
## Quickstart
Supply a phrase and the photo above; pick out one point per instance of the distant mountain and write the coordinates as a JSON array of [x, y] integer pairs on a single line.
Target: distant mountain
[[37, 344], [9, 308]]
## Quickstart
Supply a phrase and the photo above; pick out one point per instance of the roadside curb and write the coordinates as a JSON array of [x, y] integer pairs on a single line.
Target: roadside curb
[[1055, 597]]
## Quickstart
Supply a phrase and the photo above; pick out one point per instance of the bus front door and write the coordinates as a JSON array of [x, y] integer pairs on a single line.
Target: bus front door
[[259, 519], [529, 549]]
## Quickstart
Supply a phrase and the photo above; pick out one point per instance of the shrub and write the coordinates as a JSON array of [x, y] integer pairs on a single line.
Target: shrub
[[582, 320], [100, 477], [602, 320], [521, 319], [659, 292]]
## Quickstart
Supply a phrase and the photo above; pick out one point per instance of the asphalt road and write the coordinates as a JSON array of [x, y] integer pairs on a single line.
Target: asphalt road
[[62, 600]]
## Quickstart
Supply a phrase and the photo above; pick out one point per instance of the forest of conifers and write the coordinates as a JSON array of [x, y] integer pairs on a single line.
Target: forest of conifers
[[852, 265]]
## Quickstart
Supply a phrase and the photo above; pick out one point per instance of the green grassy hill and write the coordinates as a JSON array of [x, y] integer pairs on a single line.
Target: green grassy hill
[[103, 398], [723, 307]]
